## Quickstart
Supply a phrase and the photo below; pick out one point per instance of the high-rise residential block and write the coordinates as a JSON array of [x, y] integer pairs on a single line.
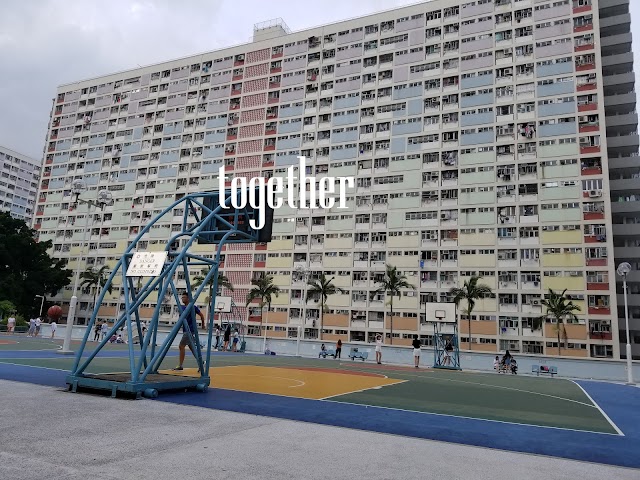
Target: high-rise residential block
[[19, 181], [491, 138]]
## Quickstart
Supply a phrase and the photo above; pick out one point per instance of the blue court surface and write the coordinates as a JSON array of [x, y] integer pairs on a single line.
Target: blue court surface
[[612, 410]]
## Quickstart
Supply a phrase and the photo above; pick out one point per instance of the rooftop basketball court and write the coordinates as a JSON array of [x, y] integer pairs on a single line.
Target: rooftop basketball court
[[589, 421]]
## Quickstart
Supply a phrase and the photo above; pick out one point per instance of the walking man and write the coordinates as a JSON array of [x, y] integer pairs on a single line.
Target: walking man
[[11, 324], [193, 327]]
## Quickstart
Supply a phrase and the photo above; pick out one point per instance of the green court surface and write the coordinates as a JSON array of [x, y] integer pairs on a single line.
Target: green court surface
[[546, 402], [17, 343]]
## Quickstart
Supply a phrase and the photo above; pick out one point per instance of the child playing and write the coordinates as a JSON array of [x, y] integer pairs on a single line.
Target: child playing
[[496, 364]]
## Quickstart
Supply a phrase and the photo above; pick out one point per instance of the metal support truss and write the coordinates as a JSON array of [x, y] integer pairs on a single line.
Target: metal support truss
[[446, 348], [205, 220]]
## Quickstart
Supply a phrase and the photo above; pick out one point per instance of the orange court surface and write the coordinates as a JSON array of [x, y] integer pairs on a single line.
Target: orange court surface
[[310, 383]]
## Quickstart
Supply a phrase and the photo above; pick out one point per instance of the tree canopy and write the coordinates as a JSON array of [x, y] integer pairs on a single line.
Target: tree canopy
[[26, 269]]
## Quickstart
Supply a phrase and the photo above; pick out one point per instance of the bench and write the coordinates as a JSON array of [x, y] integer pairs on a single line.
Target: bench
[[538, 369], [327, 353], [354, 353]]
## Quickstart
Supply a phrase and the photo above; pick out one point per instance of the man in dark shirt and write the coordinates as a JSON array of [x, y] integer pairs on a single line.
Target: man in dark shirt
[[193, 326]]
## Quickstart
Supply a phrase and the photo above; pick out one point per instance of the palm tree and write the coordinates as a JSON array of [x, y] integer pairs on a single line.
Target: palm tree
[[391, 284], [263, 290], [560, 308], [223, 282], [95, 278], [470, 292], [322, 288]]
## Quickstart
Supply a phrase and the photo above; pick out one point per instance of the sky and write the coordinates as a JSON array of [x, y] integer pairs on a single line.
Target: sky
[[46, 43]]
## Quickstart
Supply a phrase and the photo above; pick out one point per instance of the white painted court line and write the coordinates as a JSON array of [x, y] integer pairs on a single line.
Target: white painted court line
[[299, 382], [32, 366], [615, 427], [377, 387], [533, 425]]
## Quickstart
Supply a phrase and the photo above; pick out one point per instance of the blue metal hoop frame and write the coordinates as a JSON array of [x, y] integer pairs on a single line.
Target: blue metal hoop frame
[[216, 224]]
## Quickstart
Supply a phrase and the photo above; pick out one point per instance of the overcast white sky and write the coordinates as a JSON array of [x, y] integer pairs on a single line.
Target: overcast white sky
[[45, 43]]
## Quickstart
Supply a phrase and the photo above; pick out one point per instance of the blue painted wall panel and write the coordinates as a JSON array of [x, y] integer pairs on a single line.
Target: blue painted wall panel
[[398, 145], [475, 82], [477, 119], [288, 143], [566, 128], [343, 154], [477, 100], [477, 138], [559, 88], [351, 118], [290, 127], [167, 172], [555, 69], [291, 112], [341, 137], [346, 103], [556, 109], [405, 128]]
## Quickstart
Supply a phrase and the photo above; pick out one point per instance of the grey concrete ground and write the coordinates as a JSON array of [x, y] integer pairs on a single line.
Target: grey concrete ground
[[47, 433]]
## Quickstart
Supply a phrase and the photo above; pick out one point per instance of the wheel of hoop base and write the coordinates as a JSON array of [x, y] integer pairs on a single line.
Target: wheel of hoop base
[[201, 387], [151, 393]]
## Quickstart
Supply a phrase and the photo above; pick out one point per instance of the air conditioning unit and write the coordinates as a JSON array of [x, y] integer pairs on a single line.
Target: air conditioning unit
[[595, 193], [535, 302]]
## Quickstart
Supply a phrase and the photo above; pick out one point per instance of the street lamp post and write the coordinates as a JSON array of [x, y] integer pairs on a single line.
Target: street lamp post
[[41, 304], [104, 198], [623, 271]]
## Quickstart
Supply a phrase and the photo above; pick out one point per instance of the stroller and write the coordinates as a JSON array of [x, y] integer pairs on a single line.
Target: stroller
[[514, 366]]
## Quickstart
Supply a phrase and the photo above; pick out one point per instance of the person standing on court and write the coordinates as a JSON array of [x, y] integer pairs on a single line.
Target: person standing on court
[[38, 324], [11, 324], [416, 350], [217, 338], [379, 349], [227, 337], [236, 339], [193, 327], [338, 348], [54, 327], [32, 327]]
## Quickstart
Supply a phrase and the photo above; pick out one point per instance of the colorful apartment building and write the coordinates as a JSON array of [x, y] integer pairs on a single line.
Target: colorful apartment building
[[491, 138]]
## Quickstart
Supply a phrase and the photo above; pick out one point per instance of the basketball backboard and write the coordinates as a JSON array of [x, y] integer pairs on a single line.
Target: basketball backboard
[[440, 312], [216, 229], [223, 304]]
